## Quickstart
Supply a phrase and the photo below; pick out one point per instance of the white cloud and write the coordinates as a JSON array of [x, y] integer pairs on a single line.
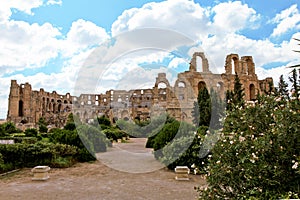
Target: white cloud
[[26, 46], [176, 15], [54, 2], [83, 35], [21, 5], [234, 16], [286, 20]]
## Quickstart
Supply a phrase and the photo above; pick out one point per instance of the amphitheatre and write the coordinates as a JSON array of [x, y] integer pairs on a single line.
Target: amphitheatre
[[26, 106], [100, 180]]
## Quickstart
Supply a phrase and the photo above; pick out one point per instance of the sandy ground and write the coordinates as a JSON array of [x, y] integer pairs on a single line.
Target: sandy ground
[[103, 179]]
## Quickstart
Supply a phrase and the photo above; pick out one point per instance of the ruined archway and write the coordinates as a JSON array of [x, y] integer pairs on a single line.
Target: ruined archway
[[201, 85], [196, 60], [252, 92], [21, 109]]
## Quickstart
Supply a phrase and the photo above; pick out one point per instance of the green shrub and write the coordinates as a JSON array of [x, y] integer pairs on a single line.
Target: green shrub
[[31, 132], [29, 155], [92, 135], [258, 153], [191, 150], [114, 133]]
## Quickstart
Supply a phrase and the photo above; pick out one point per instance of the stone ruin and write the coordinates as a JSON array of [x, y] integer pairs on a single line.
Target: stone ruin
[[27, 106]]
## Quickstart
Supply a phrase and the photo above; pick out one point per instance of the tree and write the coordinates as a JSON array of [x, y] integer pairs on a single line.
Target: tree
[[295, 66], [70, 125], [42, 125], [238, 91], [294, 80], [202, 108], [235, 97], [217, 109], [283, 87]]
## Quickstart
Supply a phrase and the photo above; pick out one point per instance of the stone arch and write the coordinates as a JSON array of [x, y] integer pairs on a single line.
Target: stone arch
[[50, 107], [21, 108], [161, 85], [124, 114], [183, 116], [232, 64], [252, 92], [54, 108], [85, 116], [181, 84], [201, 85], [162, 79], [59, 107], [193, 63]]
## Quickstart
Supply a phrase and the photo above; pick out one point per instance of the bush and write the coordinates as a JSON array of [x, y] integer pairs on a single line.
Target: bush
[[114, 133], [73, 138], [191, 150], [29, 155], [258, 153], [31, 132], [93, 139]]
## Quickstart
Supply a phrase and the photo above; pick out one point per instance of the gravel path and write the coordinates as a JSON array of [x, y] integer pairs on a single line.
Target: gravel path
[[98, 181]]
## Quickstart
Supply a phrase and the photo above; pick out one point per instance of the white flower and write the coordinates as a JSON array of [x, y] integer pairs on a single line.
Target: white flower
[[193, 165], [231, 142], [295, 166], [218, 162]]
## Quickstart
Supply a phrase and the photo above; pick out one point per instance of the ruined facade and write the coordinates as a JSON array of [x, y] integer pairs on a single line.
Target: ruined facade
[[27, 106]]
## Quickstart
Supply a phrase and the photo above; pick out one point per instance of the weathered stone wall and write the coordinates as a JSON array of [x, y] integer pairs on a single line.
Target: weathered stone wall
[[27, 106]]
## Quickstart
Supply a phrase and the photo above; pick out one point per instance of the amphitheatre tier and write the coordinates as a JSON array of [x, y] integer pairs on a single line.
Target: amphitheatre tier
[[27, 106]]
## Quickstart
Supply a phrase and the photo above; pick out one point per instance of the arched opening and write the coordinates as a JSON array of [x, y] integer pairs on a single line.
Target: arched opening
[[199, 64], [21, 111], [252, 92], [124, 114], [183, 116], [126, 118], [201, 85], [54, 108], [59, 107], [115, 119], [50, 107], [162, 85], [234, 65], [181, 84]]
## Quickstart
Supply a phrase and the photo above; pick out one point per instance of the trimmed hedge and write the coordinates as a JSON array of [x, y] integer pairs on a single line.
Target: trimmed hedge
[[28, 155]]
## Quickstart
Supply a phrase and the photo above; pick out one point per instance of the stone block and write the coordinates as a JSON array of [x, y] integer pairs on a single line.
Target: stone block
[[182, 173], [40, 173]]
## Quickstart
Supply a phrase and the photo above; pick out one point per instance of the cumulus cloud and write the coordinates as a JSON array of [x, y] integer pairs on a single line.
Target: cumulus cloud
[[83, 35], [177, 15], [27, 46], [286, 20], [21, 5], [234, 16]]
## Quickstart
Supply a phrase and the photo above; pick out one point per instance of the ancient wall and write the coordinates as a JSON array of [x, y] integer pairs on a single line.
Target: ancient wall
[[28, 106]]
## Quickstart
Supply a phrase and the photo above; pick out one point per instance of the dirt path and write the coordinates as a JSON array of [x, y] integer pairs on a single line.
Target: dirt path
[[98, 181]]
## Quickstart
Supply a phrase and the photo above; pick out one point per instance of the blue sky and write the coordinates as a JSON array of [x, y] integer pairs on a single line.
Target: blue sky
[[46, 42]]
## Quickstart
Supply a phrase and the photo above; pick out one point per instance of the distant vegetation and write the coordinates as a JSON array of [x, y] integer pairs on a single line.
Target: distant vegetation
[[55, 147]]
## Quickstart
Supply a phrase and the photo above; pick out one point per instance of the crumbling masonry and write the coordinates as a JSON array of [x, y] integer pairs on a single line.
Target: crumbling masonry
[[27, 106]]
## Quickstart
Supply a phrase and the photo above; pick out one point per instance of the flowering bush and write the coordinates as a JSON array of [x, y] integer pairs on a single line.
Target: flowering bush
[[258, 152]]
